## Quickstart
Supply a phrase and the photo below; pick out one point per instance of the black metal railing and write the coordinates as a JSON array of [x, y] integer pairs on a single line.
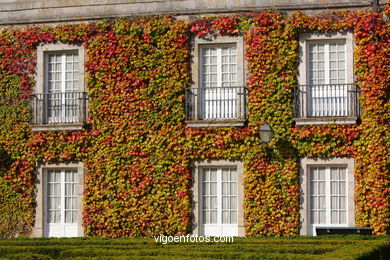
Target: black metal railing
[[326, 100], [58, 108], [215, 103]]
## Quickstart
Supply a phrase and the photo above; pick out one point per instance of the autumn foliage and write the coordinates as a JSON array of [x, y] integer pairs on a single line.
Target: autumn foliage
[[137, 148]]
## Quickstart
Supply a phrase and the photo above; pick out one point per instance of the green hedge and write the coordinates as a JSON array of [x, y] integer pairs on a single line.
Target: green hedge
[[331, 247]]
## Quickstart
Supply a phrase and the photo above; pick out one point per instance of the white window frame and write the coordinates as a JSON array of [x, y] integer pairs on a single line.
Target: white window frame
[[219, 225], [218, 102], [196, 72], [306, 163], [303, 75], [62, 116], [328, 196], [197, 167], [41, 224], [42, 82]]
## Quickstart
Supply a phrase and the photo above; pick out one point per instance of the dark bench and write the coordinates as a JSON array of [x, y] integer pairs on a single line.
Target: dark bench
[[343, 230]]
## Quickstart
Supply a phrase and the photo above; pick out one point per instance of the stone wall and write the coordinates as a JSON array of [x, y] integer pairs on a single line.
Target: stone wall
[[27, 11]]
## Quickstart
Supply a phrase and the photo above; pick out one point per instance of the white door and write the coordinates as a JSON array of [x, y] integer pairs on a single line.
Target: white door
[[327, 92], [219, 83], [328, 197], [61, 204], [219, 202], [62, 84]]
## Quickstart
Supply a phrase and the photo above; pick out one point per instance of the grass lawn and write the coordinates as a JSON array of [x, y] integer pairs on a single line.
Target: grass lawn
[[325, 247]]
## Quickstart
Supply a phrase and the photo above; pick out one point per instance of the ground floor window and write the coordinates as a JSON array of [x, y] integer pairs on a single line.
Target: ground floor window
[[59, 201], [328, 201], [219, 201], [62, 203], [327, 194], [218, 198]]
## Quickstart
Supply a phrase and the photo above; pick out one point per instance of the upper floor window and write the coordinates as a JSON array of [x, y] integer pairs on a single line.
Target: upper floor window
[[59, 101], [326, 89], [217, 97]]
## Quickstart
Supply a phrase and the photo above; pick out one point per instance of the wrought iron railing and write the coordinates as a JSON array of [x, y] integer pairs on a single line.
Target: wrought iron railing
[[215, 103], [326, 100], [58, 108]]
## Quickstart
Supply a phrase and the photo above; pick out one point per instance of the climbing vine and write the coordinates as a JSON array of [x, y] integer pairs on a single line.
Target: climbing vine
[[137, 148]]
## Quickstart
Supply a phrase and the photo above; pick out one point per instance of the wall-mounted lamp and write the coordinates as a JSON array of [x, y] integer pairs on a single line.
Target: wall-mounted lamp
[[266, 133]]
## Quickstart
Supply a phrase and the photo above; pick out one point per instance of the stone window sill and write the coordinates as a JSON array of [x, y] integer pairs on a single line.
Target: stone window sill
[[56, 127], [326, 120], [216, 123]]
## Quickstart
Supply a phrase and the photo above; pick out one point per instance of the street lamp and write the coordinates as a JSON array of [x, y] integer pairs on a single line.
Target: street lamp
[[266, 133]]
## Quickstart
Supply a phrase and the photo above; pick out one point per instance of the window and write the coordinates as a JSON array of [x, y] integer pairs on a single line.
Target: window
[[218, 96], [328, 201], [327, 193], [59, 203], [219, 200], [326, 88], [218, 194], [218, 77], [59, 100]]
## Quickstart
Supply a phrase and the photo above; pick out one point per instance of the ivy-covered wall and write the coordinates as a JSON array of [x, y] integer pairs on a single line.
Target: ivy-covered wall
[[138, 149]]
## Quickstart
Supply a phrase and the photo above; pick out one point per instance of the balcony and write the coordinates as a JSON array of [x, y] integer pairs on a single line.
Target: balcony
[[58, 111], [326, 103], [215, 106]]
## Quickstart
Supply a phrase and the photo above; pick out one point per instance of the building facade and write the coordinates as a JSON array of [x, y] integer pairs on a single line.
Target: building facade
[[139, 118]]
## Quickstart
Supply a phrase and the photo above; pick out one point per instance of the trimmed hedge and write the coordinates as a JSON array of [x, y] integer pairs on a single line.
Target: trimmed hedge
[[328, 247]]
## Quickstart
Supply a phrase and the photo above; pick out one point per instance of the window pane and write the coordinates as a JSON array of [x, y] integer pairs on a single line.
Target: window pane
[[225, 217], [334, 202], [334, 173], [233, 202], [233, 217], [206, 203], [225, 188], [321, 216], [225, 202], [213, 217], [322, 202], [313, 188], [206, 219], [213, 202], [206, 175], [225, 174], [343, 217], [68, 217], [213, 188], [233, 175], [321, 173], [334, 187], [334, 217], [205, 188], [342, 173], [342, 200], [233, 188], [342, 187], [321, 187], [313, 203], [314, 217]]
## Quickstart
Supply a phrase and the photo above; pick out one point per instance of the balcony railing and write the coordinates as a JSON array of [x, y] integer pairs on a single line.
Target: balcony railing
[[216, 103], [326, 100], [58, 108]]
